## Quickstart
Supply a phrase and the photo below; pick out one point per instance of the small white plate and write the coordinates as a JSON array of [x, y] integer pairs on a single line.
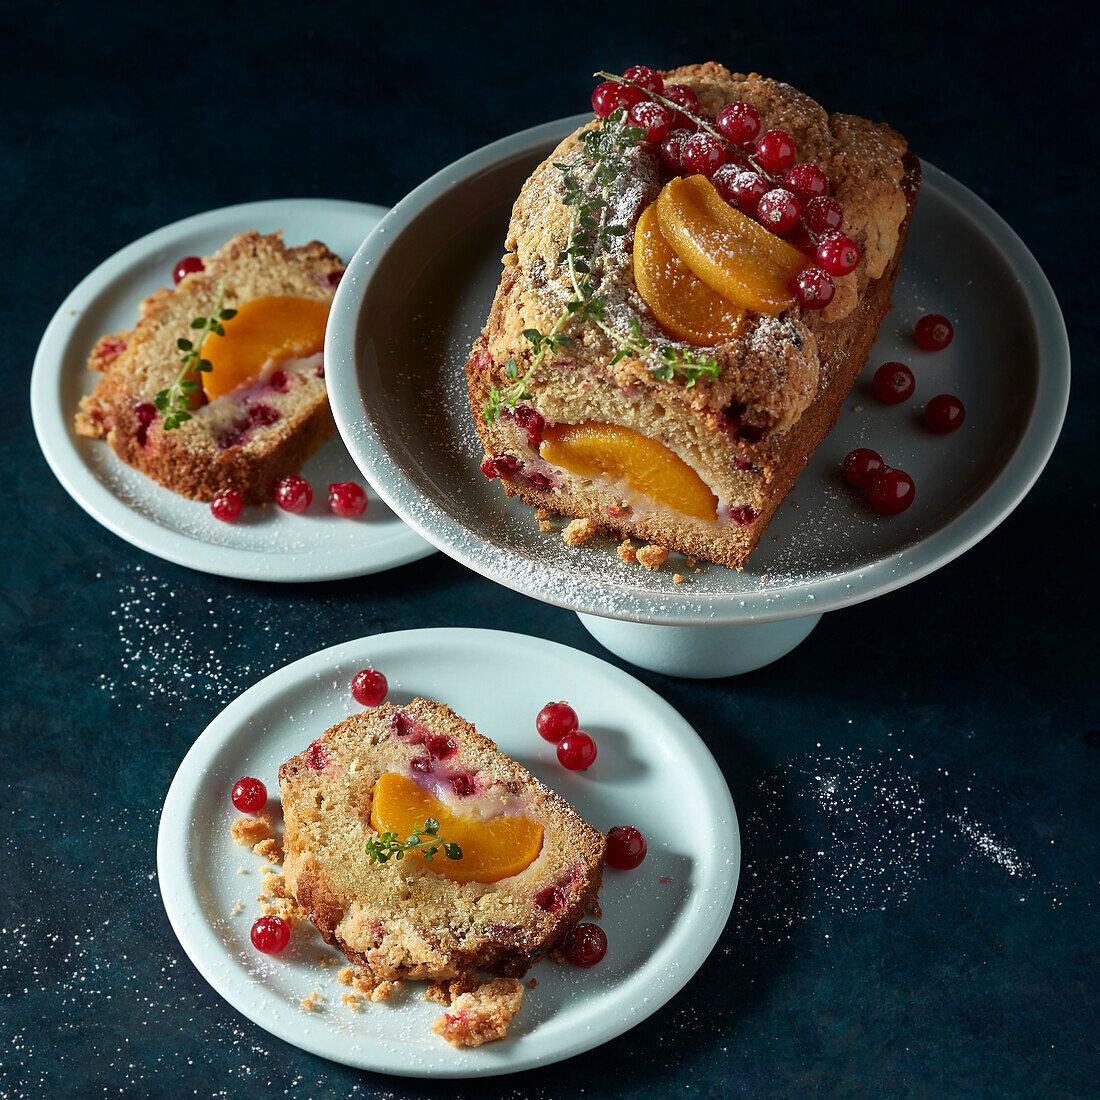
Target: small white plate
[[661, 919], [264, 544]]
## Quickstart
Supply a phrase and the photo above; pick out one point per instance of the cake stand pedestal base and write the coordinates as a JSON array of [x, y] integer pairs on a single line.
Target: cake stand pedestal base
[[699, 652]]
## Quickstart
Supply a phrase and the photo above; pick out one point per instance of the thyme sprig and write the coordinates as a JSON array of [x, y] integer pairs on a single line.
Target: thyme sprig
[[590, 234], [175, 400], [426, 841]]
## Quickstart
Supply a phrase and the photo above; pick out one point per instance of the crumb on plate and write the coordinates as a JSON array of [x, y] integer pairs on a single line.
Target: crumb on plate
[[482, 1015], [652, 557], [578, 531]]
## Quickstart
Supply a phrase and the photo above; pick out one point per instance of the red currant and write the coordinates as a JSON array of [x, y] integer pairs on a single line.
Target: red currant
[[249, 795], [823, 214], [893, 383], [944, 413], [814, 288], [682, 96], [369, 687], [555, 721], [317, 756], [703, 154], [612, 96], [626, 847], [270, 935], [576, 751], [746, 189], [807, 181], [933, 333], [293, 494], [739, 123], [347, 499], [672, 149], [654, 118], [185, 267], [860, 466], [890, 491], [837, 254], [227, 505], [775, 151], [585, 944], [646, 77], [778, 210]]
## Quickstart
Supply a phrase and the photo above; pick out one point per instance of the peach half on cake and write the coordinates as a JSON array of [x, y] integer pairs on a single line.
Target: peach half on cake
[[254, 315], [684, 306]]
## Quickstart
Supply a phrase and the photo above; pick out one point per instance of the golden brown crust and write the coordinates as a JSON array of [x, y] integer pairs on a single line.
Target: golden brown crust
[[248, 443], [783, 379], [401, 919]]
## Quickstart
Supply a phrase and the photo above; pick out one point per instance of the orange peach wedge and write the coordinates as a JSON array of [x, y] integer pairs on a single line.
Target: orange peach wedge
[[611, 451], [279, 326], [731, 253], [683, 304], [492, 849]]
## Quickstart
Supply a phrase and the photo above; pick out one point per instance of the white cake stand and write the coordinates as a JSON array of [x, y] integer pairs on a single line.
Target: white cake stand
[[417, 293]]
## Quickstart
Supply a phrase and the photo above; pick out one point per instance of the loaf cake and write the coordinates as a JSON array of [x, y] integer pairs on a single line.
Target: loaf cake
[[530, 866], [263, 408], [664, 351]]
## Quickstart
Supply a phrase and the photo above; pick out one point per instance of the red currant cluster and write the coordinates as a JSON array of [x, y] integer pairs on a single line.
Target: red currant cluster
[[755, 173], [295, 494]]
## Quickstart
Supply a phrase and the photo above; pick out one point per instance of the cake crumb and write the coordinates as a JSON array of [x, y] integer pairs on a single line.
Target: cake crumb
[[446, 991], [794, 503], [652, 557], [361, 979], [274, 900], [241, 870], [483, 1015], [327, 960], [543, 513], [352, 1001], [545, 525], [249, 831], [237, 908], [691, 561], [677, 579], [857, 408], [578, 531], [698, 570], [312, 1002], [269, 849], [626, 550], [532, 983]]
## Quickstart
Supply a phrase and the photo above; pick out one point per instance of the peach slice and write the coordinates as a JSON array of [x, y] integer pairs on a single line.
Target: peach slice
[[730, 252], [279, 326], [611, 451], [684, 305], [492, 849]]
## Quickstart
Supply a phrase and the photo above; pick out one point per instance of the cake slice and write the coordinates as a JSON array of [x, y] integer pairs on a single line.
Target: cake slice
[[664, 351], [530, 868], [263, 408]]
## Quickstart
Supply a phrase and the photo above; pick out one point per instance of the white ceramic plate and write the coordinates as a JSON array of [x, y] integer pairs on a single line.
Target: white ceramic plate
[[416, 295], [650, 765], [265, 544]]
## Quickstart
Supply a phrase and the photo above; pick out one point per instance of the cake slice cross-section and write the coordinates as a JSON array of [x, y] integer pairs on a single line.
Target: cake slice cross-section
[[530, 866]]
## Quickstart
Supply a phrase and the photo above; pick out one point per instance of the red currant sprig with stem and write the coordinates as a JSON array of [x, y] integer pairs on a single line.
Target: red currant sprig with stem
[[836, 254]]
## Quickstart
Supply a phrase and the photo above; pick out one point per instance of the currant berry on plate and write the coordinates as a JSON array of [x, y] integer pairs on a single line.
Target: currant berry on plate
[[944, 413], [585, 944], [347, 499], [933, 332], [185, 267], [294, 494], [890, 491], [576, 751], [249, 795], [369, 687], [555, 721], [227, 505], [860, 466], [270, 935], [626, 847], [893, 383]]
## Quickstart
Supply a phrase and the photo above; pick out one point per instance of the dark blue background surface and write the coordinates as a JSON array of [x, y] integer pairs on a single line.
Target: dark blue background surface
[[926, 930]]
